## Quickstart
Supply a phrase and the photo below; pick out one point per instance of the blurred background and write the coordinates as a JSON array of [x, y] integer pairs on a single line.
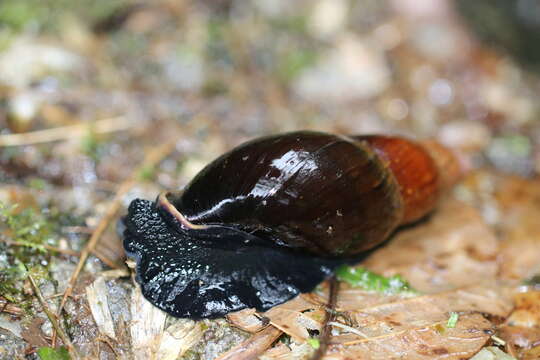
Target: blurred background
[[214, 73], [89, 88]]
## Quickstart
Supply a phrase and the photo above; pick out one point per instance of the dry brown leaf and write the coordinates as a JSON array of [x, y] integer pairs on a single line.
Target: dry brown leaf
[[254, 346], [295, 318], [288, 352], [246, 320], [532, 354], [452, 248], [350, 298], [522, 328], [489, 298], [33, 334], [492, 353], [527, 310], [414, 327], [518, 200], [429, 341]]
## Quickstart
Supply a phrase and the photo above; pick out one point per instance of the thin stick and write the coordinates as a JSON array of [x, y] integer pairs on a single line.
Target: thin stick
[[104, 259], [44, 246], [78, 229], [52, 319], [108, 125], [151, 160], [393, 334], [108, 342], [6, 306], [329, 318]]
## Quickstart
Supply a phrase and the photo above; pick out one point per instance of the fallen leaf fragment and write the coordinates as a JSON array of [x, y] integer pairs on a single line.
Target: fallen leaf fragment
[[146, 327], [432, 341], [492, 353], [296, 318], [527, 310], [453, 248], [513, 204], [522, 328], [292, 351], [246, 320], [254, 346], [532, 354], [97, 296], [406, 327], [179, 338]]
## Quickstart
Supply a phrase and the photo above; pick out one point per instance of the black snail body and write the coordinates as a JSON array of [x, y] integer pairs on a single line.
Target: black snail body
[[274, 217]]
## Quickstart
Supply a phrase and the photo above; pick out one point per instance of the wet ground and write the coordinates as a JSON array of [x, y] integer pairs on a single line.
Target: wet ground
[[102, 102]]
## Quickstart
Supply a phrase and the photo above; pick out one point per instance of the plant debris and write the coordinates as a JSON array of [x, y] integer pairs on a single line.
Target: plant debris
[[88, 89], [452, 320]]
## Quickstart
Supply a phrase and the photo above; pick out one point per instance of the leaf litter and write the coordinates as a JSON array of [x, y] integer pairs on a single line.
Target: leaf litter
[[454, 315], [452, 320], [466, 259]]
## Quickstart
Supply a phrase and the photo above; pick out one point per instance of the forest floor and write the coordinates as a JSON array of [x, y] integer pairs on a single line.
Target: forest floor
[[102, 102]]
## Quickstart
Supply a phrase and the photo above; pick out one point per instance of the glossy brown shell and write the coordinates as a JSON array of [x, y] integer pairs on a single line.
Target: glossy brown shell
[[328, 194]]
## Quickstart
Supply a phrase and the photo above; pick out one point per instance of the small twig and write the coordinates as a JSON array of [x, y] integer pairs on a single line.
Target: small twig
[[53, 296], [254, 346], [108, 125], [108, 342], [151, 160], [53, 320], [44, 246], [434, 325], [330, 315], [104, 259], [497, 340], [95, 252], [7, 307], [347, 328], [78, 229]]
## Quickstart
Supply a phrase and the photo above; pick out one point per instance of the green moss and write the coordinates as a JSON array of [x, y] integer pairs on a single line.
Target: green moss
[[25, 226], [294, 62], [370, 281], [97, 10], [533, 281], [91, 145], [6, 37], [214, 87], [290, 24], [45, 15], [11, 279], [147, 173], [23, 232], [217, 49], [16, 14], [191, 355], [37, 183]]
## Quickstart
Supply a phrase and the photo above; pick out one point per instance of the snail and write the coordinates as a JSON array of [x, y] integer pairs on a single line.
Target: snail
[[275, 216]]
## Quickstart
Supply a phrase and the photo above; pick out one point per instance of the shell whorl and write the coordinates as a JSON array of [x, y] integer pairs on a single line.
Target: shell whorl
[[327, 194]]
